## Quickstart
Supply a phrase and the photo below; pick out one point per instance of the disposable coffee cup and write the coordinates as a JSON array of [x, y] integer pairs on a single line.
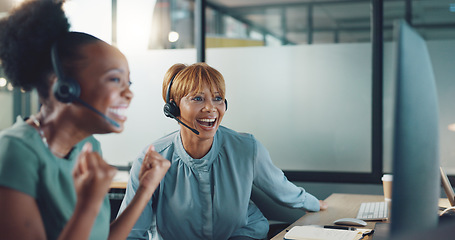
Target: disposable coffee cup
[[387, 186]]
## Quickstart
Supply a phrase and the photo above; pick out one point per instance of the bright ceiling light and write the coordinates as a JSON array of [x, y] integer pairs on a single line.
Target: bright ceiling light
[[3, 82], [173, 36], [452, 127]]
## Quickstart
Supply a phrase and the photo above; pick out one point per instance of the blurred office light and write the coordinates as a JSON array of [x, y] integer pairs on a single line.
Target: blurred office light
[[451, 127], [10, 87], [173, 36], [3, 82]]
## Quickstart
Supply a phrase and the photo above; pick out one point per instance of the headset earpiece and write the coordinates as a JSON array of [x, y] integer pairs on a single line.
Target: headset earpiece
[[225, 103], [171, 109], [65, 89]]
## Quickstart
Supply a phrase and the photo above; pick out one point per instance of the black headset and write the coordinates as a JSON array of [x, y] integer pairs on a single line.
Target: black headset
[[66, 89], [171, 109]]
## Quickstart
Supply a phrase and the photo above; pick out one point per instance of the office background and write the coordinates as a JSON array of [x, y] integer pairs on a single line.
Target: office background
[[298, 76]]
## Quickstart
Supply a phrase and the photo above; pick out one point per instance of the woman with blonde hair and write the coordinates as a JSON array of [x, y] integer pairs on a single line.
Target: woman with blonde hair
[[206, 192]]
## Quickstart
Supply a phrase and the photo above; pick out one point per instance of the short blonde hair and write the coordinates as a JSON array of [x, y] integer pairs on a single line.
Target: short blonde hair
[[191, 79]]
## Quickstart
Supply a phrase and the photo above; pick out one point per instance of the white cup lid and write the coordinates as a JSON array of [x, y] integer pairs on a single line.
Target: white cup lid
[[387, 177]]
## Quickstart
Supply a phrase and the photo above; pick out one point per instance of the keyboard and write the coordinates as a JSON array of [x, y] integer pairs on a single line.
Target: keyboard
[[373, 211]]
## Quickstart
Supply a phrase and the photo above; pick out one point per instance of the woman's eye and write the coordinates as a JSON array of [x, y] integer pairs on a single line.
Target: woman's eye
[[218, 99], [115, 79], [197, 99]]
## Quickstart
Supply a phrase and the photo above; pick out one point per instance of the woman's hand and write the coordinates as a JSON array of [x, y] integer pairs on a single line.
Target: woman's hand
[[153, 169], [92, 176], [323, 205]]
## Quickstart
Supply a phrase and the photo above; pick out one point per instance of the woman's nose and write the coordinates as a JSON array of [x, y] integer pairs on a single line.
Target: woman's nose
[[128, 93], [209, 105]]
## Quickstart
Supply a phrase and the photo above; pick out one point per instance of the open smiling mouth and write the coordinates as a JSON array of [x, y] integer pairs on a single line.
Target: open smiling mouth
[[119, 112], [208, 122]]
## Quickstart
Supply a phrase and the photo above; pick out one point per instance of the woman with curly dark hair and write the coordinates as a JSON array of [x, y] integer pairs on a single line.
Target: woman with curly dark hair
[[53, 180]]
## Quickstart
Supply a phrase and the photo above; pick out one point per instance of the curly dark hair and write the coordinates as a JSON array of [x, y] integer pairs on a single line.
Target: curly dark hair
[[26, 37]]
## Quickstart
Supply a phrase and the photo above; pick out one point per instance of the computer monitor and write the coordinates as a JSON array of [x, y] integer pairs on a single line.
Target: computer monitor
[[416, 180]]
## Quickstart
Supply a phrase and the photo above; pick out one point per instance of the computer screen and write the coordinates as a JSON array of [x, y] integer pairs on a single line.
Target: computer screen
[[416, 180]]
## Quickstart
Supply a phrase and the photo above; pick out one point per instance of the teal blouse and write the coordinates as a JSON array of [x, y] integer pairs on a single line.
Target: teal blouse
[[28, 166], [209, 198]]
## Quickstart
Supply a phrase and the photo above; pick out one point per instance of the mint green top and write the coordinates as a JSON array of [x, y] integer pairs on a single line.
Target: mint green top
[[28, 166]]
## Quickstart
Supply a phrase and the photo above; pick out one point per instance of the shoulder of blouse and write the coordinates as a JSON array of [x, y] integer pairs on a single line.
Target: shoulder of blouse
[[165, 142]]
